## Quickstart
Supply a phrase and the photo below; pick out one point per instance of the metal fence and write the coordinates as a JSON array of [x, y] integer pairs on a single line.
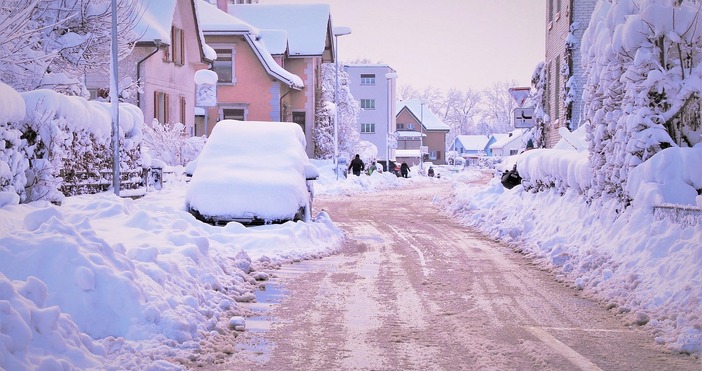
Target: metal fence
[[681, 214]]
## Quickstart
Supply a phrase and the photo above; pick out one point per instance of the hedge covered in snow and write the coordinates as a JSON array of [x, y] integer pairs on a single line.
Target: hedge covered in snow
[[52, 145]]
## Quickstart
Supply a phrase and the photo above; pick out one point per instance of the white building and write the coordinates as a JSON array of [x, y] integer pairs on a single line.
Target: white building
[[374, 86]]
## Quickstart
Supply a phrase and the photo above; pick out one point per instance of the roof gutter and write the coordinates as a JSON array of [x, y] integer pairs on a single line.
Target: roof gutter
[[268, 68], [157, 45]]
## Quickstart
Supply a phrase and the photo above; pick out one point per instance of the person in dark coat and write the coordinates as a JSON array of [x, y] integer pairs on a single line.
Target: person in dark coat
[[431, 171], [404, 170], [357, 166]]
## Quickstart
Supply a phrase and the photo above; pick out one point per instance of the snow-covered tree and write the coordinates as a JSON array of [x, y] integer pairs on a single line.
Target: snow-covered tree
[[538, 87], [53, 43], [497, 106], [348, 110], [170, 143], [643, 62]]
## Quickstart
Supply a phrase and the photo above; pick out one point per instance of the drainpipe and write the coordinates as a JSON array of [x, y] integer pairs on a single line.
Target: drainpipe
[[157, 44], [281, 104]]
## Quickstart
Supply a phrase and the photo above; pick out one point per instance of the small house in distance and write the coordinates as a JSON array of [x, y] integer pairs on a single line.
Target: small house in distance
[[417, 126]]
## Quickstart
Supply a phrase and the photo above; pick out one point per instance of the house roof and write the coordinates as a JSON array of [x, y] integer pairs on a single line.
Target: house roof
[[473, 142], [276, 41], [507, 139], [215, 21], [307, 25], [414, 106], [156, 19]]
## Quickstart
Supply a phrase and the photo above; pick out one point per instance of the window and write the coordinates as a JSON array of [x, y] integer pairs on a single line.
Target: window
[[299, 118], [234, 114], [367, 128], [177, 46], [161, 107], [181, 103], [224, 66], [513, 152], [435, 155], [367, 103], [367, 79]]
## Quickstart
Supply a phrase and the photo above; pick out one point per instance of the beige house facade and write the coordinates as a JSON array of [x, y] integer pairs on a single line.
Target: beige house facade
[[566, 21], [165, 58]]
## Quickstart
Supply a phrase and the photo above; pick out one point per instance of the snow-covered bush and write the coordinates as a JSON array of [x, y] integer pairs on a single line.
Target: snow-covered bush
[[68, 145], [170, 144], [13, 162], [553, 168], [643, 62]]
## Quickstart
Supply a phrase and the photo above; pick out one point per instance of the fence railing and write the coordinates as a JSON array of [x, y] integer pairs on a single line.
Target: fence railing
[[681, 214]]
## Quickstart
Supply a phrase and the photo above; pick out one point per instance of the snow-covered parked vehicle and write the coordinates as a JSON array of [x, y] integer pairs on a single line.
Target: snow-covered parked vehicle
[[252, 172]]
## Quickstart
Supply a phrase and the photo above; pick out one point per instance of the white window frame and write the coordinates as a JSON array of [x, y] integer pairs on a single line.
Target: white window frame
[[368, 128], [233, 63], [367, 79], [368, 104]]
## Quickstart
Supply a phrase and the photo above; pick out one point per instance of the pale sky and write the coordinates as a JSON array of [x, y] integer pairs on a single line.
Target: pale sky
[[463, 44]]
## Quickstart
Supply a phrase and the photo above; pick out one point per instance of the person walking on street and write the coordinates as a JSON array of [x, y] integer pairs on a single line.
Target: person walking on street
[[372, 168], [431, 172], [357, 165], [404, 170]]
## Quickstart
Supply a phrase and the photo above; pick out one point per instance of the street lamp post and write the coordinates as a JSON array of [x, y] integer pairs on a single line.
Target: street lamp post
[[389, 76], [338, 31], [421, 139]]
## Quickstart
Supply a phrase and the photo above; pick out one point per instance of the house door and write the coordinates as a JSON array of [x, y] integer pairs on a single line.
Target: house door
[[299, 118]]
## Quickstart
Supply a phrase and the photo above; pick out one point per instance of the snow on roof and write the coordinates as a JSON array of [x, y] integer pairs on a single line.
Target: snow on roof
[[306, 24], [515, 134], [406, 153], [473, 142], [431, 122], [276, 41], [213, 20], [271, 66], [155, 21], [409, 134]]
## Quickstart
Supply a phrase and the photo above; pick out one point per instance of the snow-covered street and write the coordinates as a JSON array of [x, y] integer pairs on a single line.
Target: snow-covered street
[[414, 289]]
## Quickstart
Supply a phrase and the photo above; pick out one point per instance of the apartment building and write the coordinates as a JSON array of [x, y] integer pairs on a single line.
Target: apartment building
[[374, 86]]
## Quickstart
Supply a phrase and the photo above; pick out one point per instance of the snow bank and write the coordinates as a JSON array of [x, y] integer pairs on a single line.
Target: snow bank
[[561, 169], [672, 176], [644, 268], [102, 282]]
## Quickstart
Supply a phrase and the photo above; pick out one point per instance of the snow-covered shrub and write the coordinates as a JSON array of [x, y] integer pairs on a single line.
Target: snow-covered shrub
[[13, 162], [643, 62], [68, 144], [541, 169], [169, 143]]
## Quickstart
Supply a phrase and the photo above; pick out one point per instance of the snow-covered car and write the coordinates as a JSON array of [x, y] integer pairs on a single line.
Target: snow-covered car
[[252, 172]]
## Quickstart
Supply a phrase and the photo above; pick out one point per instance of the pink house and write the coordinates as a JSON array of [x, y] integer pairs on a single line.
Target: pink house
[[168, 52], [252, 85], [299, 37]]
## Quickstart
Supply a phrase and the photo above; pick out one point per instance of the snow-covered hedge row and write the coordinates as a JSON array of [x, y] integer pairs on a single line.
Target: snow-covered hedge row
[[13, 162], [55, 144], [672, 176], [553, 168]]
